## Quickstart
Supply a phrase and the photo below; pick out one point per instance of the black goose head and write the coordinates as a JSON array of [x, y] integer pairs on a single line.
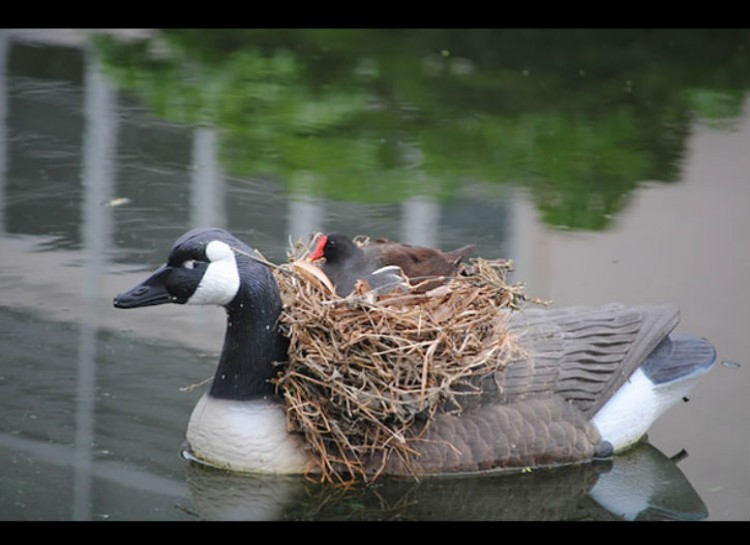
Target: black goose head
[[212, 267], [204, 267]]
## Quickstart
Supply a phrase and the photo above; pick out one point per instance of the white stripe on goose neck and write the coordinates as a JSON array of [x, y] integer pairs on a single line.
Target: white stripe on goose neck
[[221, 281]]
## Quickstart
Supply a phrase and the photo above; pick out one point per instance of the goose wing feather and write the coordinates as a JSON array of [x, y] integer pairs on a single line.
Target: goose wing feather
[[536, 412], [583, 354]]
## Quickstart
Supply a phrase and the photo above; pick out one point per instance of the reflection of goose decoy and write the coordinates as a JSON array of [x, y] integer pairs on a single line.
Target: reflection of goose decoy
[[642, 484], [376, 263], [597, 378]]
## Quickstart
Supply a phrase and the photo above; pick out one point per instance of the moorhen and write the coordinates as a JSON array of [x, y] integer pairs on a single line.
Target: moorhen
[[346, 262]]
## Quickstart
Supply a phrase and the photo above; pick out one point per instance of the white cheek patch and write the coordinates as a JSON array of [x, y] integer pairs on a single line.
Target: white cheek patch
[[221, 281]]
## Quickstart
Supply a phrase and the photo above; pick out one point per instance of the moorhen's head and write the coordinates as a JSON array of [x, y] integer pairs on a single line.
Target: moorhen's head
[[334, 247]]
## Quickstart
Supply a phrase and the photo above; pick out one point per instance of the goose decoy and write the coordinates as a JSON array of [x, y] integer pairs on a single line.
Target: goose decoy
[[346, 262], [595, 380]]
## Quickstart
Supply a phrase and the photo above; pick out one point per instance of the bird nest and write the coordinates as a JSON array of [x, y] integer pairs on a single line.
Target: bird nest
[[366, 373]]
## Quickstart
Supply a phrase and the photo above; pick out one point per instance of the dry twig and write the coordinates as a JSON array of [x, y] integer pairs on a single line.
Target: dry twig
[[366, 374]]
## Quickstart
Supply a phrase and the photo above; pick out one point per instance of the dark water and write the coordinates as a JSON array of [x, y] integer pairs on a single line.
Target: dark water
[[610, 166]]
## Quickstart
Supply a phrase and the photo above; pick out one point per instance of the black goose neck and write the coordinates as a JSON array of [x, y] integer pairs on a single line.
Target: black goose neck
[[252, 342]]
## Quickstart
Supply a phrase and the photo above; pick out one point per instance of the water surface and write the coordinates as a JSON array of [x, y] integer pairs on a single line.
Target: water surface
[[610, 166]]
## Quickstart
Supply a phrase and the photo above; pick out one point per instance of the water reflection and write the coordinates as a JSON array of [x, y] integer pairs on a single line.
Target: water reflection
[[93, 415], [4, 44], [642, 485], [416, 109], [98, 178], [208, 193]]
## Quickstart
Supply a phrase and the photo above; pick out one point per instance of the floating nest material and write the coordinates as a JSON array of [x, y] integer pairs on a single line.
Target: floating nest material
[[367, 373]]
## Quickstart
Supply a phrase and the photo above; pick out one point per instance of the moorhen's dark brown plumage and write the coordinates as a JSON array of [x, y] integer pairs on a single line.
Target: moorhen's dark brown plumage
[[346, 262]]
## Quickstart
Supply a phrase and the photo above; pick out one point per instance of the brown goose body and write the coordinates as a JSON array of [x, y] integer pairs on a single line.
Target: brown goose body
[[538, 411], [595, 379], [346, 262]]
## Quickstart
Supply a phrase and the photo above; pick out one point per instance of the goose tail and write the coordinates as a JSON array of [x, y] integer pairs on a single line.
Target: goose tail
[[679, 358], [666, 377]]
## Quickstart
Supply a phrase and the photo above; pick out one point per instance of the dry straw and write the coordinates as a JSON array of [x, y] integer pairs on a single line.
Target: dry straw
[[367, 373]]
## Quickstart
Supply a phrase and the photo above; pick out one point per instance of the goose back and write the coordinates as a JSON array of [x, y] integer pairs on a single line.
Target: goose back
[[583, 354], [537, 410]]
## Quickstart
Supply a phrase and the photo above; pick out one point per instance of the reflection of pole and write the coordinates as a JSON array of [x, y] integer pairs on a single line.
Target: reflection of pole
[[208, 190], [98, 175], [305, 211], [4, 51], [529, 245], [304, 215], [207, 194], [420, 221]]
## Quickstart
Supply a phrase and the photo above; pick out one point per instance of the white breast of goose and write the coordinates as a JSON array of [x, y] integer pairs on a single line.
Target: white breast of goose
[[247, 436]]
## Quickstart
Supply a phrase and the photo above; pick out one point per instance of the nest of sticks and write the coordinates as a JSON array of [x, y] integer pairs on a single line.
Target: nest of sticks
[[366, 373]]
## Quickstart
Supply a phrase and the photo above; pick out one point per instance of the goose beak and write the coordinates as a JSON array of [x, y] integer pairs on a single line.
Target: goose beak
[[152, 291]]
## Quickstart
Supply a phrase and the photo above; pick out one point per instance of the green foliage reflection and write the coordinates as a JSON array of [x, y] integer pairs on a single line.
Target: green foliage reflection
[[579, 117]]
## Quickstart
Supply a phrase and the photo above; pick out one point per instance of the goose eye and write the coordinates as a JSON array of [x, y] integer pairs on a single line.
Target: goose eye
[[189, 264]]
